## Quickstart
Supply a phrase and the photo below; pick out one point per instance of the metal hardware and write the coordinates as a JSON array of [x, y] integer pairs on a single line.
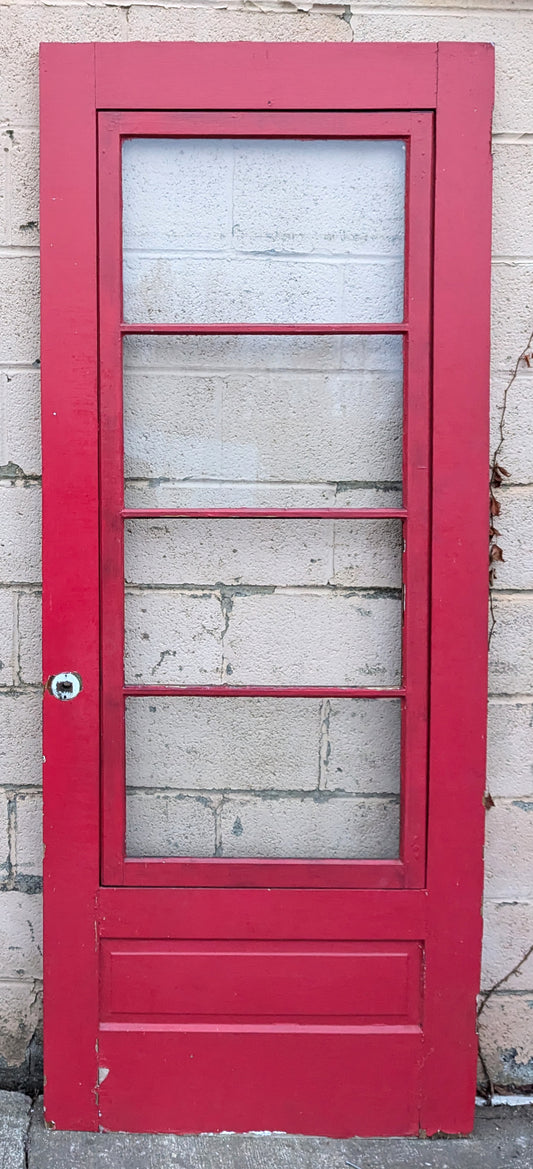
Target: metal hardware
[[64, 686]]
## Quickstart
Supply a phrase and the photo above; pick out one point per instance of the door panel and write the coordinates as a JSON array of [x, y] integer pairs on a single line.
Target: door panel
[[250, 981], [254, 1074]]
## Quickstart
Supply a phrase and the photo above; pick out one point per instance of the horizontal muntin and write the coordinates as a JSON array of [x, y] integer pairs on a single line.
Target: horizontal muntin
[[222, 691], [273, 513], [167, 329]]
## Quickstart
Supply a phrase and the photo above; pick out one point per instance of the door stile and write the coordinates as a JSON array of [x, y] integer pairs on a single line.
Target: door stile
[[113, 762], [463, 171], [70, 589], [416, 487]]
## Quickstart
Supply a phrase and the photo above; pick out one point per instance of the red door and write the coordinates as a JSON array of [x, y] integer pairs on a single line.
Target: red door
[[265, 305]]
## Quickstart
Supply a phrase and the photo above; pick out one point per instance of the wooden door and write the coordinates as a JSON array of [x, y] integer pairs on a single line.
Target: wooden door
[[265, 300]]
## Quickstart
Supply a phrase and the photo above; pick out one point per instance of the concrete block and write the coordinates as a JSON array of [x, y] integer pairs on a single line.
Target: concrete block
[[515, 524], [218, 355], [512, 35], [20, 936], [292, 427], [20, 437], [240, 352], [24, 28], [373, 291], [507, 933], [24, 187], [169, 825], [172, 426], [177, 194], [517, 451], [510, 748], [508, 850], [374, 353], [14, 1125], [179, 493], [320, 427], [7, 630], [309, 826], [264, 552], [387, 495], [172, 288], [29, 834], [512, 210], [29, 633], [338, 197], [20, 1015], [257, 552], [264, 408], [20, 738], [512, 312], [147, 22], [314, 638], [368, 553], [511, 654], [361, 745], [20, 533], [210, 744], [173, 637], [19, 306], [506, 1036], [5, 852]]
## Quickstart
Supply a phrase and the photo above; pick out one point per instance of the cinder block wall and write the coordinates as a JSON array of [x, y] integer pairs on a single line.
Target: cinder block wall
[[507, 1021]]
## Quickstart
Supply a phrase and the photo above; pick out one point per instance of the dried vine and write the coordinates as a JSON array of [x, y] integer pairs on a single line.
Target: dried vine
[[488, 1090], [497, 476]]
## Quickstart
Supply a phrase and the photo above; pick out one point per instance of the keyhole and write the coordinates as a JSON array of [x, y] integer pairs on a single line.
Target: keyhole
[[64, 688]]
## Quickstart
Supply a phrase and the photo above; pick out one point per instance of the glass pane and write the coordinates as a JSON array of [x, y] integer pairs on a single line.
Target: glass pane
[[263, 777], [222, 230], [263, 602], [263, 421]]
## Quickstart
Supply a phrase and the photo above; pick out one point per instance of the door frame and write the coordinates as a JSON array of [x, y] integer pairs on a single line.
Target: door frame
[[455, 83], [408, 870]]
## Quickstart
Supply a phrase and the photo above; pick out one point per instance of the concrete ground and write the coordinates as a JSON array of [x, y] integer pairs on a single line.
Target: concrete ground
[[503, 1139]]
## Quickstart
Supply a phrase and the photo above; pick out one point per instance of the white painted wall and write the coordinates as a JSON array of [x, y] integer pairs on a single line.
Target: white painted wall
[[507, 1023]]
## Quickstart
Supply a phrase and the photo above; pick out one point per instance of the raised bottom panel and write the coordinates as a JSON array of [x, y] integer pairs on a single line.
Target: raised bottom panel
[[248, 982], [327, 1081]]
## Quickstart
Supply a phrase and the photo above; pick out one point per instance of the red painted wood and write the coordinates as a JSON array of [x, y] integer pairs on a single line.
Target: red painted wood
[[113, 761], [224, 691], [303, 914], [278, 330], [243, 122], [257, 873], [459, 581], [162, 1074], [254, 981], [322, 1080], [416, 496], [280, 513], [70, 581], [235, 76], [417, 131]]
